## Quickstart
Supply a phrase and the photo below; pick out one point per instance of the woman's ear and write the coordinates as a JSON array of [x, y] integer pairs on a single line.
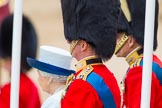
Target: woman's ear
[[38, 72]]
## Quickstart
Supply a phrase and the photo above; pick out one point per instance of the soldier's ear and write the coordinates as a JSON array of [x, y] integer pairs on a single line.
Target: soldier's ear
[[84, 45], [131, 41]]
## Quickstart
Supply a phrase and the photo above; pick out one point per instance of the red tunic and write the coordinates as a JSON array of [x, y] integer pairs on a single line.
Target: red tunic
[[28, 98], [133, 82], [81, 94]]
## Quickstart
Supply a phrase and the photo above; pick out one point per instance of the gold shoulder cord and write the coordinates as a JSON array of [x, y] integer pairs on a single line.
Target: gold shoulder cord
[[68, 82]]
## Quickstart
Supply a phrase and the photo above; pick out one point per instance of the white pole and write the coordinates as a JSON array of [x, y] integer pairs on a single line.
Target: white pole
[[16, 53], [148, 50]]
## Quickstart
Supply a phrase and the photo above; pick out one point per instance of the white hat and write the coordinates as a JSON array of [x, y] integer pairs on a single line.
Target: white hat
[[52, 60]]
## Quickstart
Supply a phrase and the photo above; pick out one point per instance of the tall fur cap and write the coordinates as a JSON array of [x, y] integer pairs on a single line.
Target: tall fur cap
[[94, 21], [137, 25], [29, 40]]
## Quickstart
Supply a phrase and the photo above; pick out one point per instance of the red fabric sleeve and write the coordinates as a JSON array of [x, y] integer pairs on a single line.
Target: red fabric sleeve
[[133, 83], [81, 95]]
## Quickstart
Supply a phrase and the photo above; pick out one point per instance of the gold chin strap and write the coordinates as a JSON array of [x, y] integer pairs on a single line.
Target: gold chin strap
[[121, 43], [125, 9], [72, 45]]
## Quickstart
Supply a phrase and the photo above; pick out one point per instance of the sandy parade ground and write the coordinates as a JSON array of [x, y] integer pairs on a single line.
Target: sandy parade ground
[[47, 18]]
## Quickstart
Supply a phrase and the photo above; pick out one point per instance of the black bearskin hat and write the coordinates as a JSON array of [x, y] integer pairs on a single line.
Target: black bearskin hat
[[137, 24], [29, 40], [94, 21]]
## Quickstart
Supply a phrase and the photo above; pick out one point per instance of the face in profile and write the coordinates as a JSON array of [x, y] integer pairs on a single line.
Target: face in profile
[[43, 81]]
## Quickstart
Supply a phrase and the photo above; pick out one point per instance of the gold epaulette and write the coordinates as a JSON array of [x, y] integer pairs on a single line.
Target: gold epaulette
[[85, 72]]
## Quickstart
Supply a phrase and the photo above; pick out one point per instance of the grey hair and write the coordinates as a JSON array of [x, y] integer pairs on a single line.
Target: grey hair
[[58, 78]]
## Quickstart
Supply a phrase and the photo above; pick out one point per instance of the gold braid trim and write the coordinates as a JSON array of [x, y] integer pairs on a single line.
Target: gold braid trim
[[82, 75], [68, 82], [133, 56], [85, 72]]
